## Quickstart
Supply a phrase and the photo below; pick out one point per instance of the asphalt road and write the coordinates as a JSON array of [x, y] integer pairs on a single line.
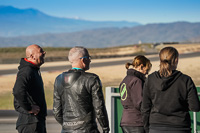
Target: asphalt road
[[7, 125], [66, 67], [8, 120]]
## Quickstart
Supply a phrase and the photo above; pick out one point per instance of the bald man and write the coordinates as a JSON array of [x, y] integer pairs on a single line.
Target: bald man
[[78, 97], [28, 91]]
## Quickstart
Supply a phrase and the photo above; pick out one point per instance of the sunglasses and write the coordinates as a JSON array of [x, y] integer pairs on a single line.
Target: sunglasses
[[86, 57]]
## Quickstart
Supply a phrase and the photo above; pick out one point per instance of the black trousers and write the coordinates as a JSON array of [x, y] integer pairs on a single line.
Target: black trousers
[[39, 127], [127, 129]]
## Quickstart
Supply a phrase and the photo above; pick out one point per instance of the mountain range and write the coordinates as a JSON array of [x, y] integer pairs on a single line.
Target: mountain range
[[23, 27], [18, 22]]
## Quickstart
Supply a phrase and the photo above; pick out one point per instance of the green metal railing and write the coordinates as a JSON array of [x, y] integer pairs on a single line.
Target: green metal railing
[[114, 108]]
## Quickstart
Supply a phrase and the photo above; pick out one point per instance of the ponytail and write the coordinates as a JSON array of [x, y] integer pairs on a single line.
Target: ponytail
[[168, 61], [138, 60], [127, 65], [165, 68]]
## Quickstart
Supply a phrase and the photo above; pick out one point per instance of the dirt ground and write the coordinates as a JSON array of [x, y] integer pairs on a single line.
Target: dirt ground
[[109, 75]]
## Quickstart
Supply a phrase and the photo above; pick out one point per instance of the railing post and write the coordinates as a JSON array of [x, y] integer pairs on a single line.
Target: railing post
[[195, 121], [195, 118], [110, 106]]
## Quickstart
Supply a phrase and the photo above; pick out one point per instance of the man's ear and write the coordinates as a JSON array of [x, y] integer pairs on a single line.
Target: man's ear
[[32, 57], [83, 61]]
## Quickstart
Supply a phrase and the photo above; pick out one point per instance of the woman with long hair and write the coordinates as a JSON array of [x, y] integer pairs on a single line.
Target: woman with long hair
[[131, 94], [168, 96]]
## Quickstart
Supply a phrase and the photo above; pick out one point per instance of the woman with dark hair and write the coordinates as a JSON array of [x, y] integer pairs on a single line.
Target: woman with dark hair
[[131, 94], [168, 96]]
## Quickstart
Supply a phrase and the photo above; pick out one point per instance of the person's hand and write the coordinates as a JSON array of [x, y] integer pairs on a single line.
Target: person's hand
[[35, 109]]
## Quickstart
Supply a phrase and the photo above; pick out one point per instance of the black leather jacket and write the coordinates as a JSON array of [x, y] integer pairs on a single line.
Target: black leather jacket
[[78, 98]]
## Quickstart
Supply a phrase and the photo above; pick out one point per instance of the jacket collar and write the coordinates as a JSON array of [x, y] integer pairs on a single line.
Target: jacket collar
[[24, 63], [29, 61], [136, 73]]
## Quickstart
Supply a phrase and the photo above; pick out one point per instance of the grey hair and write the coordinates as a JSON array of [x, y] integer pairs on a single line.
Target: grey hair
[[76, 52]]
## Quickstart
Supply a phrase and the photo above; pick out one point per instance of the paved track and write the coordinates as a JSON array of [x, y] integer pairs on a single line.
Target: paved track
[[65, 67], [7, 125], [8, 120]]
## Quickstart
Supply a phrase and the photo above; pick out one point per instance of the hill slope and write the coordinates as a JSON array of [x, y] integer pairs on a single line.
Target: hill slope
[[17, 22], [107, 37]]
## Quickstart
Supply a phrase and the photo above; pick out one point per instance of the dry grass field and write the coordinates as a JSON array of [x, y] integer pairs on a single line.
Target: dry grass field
[[109, 75]]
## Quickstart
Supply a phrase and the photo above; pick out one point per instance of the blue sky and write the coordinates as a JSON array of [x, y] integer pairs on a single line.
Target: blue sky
[[142, 11]]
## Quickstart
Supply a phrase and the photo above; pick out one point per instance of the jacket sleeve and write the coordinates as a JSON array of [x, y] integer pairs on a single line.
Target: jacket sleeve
[[57, 103], [192, 98], [136, 94], [18, 108], [146, 106], [99, 105], [20, 91]]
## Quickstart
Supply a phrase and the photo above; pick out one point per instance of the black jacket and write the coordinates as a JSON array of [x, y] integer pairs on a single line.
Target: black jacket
[[131, 98], [78, 98], [168, 100], [28, 90]]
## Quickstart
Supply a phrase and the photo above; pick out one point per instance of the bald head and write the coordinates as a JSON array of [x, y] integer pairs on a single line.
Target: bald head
[[35, 54], [31, 49]]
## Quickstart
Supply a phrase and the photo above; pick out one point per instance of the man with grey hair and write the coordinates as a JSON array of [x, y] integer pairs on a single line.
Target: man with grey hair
[[78, 97]]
